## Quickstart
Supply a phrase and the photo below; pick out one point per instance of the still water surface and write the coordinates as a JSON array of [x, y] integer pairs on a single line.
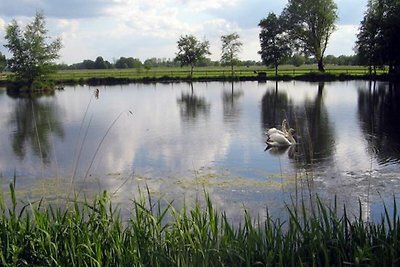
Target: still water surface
[[179, 138]]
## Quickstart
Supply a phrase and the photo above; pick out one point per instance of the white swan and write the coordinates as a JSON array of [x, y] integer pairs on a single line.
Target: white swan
[[281, 140], [284, 130]]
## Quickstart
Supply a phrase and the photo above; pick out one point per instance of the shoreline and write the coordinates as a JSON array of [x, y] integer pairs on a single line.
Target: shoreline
[[309, 77]]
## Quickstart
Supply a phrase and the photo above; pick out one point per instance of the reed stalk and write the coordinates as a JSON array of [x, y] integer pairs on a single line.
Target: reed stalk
[[93, 233]]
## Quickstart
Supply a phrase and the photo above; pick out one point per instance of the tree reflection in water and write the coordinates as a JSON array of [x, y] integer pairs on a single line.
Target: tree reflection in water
[[191, 106], [231, 107], [314, 132], [379, 114], [33, 121], [275, 106]]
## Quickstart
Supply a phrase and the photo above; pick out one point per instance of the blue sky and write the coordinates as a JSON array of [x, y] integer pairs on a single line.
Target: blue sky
[[144, 29]]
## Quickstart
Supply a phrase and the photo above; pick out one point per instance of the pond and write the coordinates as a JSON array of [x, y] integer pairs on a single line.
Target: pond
[[180, 139]]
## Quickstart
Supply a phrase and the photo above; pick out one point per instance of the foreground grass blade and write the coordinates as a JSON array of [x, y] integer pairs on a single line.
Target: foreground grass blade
[[94, 234]]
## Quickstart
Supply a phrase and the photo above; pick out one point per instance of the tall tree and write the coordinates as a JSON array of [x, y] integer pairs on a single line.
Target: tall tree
[[391, 34], [370, 42], [378, 37], [310, 24], [275, 46], [230, 48], [191, 51], [32, 57]]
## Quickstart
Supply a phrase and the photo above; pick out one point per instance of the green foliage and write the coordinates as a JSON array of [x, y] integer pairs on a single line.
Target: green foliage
[[31, 57], [99, 63], [118, 76], [230, 47], [297, 60], [191, 51], [275, 45], [160, 62], [3, 62], [310, 23], [83, 233], [369, 45], [128, 63], [378, 38]]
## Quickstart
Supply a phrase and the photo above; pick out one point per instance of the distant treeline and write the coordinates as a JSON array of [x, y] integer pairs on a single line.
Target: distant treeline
[[130, 62]]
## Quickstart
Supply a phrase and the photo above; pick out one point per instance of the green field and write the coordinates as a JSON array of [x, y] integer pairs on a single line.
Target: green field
[[199, 72]]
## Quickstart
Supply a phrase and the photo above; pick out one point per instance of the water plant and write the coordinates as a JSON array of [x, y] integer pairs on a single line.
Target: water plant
[[94, 233]]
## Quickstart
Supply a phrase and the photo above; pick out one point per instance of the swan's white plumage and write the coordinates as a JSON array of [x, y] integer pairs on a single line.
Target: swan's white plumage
[[277, 139], [284, 131], [280, 138]]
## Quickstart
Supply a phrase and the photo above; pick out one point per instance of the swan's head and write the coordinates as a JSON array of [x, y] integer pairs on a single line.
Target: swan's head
[[285, 126]]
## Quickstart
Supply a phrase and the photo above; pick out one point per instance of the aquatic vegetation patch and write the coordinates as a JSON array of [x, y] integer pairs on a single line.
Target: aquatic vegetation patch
[[92, 233]]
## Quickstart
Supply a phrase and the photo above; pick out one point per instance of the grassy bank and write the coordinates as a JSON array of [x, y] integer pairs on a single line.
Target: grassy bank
[[202, 72], [94, 234], [286, 72], [207, 74]]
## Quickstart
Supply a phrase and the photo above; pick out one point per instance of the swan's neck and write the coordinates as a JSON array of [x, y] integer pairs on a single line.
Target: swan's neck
[[291, 139], [285, 126]]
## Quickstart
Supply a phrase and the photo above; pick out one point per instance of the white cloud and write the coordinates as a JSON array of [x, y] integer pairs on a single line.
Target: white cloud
[[2, 25], [144, 29], [69, 28], [342, 40], [202, 5]]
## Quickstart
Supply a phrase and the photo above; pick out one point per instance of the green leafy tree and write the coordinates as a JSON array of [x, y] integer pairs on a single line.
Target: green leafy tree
[[370, 41], [231, 46], [310, 23], [275, 46], [32, 57], [3, 62], [391, 35], [378, 39], [297, 60], [191, 51], [128, 63], [100, 63]]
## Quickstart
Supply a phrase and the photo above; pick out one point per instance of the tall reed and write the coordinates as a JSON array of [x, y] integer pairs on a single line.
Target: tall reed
[[93, 233]]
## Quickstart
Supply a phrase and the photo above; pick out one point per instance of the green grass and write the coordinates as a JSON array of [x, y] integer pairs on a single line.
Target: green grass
[[199, 72], [85, 233]]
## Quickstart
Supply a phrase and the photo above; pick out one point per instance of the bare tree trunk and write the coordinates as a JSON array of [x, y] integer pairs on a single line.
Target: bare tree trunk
[[321, 65]]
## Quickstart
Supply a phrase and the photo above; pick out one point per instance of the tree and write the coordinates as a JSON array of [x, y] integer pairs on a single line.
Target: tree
[[100, 63], [298, 60], [391, 33], [191, 51], [310, 23], [274, 41], [3, 62], [230, 47], [369, 44], [128, 63], [378, 39], [31, 57]]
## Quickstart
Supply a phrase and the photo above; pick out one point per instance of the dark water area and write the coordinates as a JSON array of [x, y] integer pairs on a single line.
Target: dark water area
[[179, 139]]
